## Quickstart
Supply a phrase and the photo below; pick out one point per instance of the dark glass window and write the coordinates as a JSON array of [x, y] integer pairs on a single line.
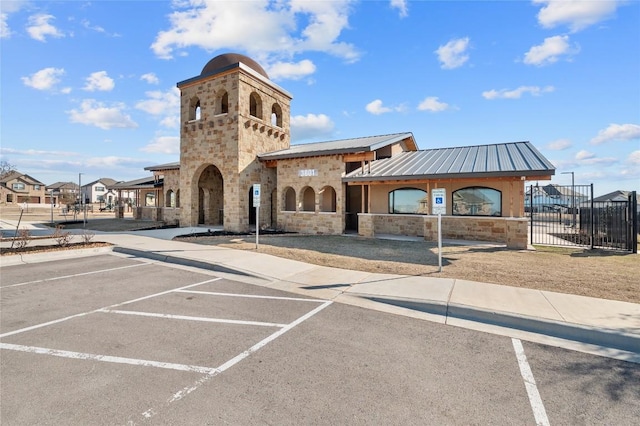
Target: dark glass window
[[477, 201], [408, 201]]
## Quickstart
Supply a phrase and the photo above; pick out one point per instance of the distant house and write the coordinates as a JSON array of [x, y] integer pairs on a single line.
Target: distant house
[[618, 196], [65, 192], [96, 191], [552, 197], [19, 188]]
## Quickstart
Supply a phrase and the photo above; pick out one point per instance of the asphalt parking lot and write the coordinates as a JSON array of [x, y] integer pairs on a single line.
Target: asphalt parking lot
[[111, 339]]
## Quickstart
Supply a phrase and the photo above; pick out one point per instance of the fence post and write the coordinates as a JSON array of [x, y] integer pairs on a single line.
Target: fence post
[[531, 212], [633, 209], [591, 221]]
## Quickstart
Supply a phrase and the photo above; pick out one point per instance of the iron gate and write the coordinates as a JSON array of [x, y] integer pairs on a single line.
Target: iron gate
[[567, 215]]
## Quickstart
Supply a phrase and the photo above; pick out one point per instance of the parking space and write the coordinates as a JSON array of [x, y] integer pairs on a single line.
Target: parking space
[[117, 340], [124, 319]]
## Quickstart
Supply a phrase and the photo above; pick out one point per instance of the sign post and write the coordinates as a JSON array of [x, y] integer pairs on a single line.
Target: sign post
[[256, 204], [439, 207]]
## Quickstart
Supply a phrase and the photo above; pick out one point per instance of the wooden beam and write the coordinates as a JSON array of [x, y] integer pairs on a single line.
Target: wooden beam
[[358, 157], [271, 164]]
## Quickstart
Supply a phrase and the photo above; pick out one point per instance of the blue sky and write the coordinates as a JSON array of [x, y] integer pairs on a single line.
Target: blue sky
[[90, 87]]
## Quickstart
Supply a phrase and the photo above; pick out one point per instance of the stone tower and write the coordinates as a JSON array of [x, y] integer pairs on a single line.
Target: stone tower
[[229, 114]]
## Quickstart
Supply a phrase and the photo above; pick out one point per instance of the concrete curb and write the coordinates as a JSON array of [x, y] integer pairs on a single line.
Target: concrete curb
[[183, 261], [609, 338], [579, 333], [21, 259]]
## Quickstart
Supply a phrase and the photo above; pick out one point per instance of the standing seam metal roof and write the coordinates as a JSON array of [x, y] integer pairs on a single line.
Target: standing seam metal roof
[[344, 146], [508, 159]]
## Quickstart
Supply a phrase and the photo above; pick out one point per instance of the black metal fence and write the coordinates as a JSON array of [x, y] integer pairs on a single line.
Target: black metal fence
[[568, 216]]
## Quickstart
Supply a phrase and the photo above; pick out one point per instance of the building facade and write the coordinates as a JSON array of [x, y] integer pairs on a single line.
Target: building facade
[[235, 133]]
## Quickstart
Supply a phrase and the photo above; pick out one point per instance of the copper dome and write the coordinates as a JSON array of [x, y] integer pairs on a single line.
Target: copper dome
[[229, 59]]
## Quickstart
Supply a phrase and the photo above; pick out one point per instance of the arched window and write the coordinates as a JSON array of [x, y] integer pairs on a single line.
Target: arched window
[[223, 103], [276, 115], [327, 199], [308, 199], [408, 201], [169, 200], [255, 105], [476, 201], [194, 109], [289, 200]]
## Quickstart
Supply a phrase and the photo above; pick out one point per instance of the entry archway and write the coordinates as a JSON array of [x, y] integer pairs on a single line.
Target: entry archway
[[210, 197]]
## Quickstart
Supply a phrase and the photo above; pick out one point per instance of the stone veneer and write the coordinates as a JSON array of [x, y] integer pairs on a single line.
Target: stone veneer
[[507, 230], [326, 172], [230, 142]]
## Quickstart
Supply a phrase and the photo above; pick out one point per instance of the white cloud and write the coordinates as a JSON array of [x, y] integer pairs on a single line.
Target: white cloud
[[232, 25], [516, 93], [432, 104], [584, 155], [99, 80], [453, 54], [292, 71], [376, 108], [45, 79], [150, 78], [550, 51], [614, 132], [577, 14], [310, 126], [163, 145], [9, 7], [39, 27], [94, 113], [402, 7], [163, 104], [634, 158], [5, 31], [587, 158], [559, 145], [37, 152]]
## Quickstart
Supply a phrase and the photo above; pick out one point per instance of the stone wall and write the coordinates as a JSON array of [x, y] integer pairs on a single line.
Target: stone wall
[[171, 215], [396, 224], [317, 173], [311, 223], [507, 230], [230, 142], [148, 213]]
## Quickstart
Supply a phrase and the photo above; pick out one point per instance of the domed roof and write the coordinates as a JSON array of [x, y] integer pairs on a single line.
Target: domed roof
[[229, 59]]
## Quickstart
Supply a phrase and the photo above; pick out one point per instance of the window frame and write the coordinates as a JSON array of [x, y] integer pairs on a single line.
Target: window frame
[[391, 198], [455, 211]]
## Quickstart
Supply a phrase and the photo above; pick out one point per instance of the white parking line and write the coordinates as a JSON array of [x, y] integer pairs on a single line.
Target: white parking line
[[188, 318], [539, 413], [74, 275], [44, 324], [185, 391], [207, 371], [252, 296], [108, 358]]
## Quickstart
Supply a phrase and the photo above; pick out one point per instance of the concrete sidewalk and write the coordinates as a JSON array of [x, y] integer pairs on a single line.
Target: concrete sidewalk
[[598, 326]]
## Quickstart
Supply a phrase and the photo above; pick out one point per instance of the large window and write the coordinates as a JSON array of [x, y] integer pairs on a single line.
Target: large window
[[477, 201], [408, 201], [18, 186]]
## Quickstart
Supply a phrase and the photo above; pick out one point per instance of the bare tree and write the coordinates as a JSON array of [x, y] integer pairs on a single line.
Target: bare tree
[[6, 168]]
